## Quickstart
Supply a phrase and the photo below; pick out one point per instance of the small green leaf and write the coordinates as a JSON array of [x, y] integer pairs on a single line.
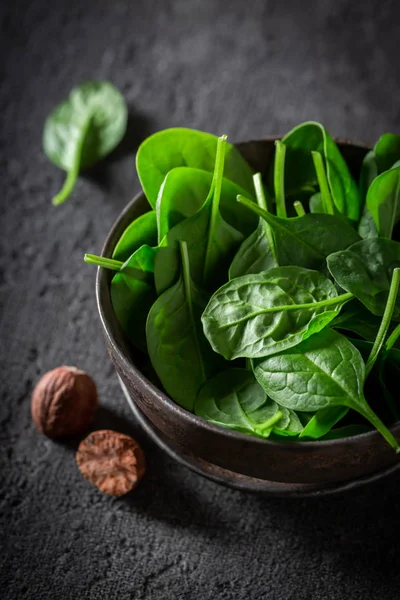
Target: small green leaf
[[83, 129], [142, 230], [387, 151], [383, 201], [365, 270]]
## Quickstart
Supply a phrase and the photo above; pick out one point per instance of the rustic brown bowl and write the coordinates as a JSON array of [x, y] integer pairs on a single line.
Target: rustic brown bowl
[[284, 468]]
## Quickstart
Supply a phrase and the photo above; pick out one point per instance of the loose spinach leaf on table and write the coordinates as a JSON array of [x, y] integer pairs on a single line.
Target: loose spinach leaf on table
[[235, 400], [383, 201], [142, 230], [324, 371], [300, 170], [180, 147], [179, 352], [261, 314], [183, 193], [211, 241], [365, 270], [83, 129], [306, 241]]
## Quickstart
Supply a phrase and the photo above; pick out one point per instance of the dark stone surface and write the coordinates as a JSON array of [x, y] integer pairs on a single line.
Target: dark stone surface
[[245, 68]]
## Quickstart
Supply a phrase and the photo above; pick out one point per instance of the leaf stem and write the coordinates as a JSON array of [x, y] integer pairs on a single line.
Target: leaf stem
[[392, 339], [385, 323], [326, 198], [187, 284], [262, 203], [269, 423], [279, 178], [369, 414], [299, 208], [102, 261], [73, 173], [216, 195]]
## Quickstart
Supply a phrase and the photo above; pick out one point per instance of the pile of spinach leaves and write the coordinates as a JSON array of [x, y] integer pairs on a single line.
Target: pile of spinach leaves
[[257, 320]]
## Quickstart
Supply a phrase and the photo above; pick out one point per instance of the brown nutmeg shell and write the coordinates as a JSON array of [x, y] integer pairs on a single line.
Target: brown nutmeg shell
[[64, 402], [112, 461]]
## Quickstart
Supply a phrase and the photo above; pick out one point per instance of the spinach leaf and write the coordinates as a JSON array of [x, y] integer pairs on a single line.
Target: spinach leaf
[[260, 314], [235, 400], [179, 352], [365, 270], [323, 421], [300, 171], [132, 291], [324, 371], [83, 129], [211, 242], [183, 193], [142, 230], [383, 201], [180, 147], [257, 253], [387, 151], [316, 203], [306, 241]]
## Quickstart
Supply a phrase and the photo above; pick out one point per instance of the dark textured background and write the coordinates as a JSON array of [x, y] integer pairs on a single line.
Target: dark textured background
[[247, 68]]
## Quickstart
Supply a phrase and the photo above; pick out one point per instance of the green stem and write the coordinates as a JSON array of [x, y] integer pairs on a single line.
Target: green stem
[[279, 178], [268, 424], [369, 414], [260, 195], [262, 203], [216, 195], [392, 339], [102, 261], [187, 283], [326, 197], [385, 323], [74, 170], [299, 208]]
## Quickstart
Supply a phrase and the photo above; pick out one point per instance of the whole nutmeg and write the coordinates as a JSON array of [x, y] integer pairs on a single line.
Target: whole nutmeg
[[64, 402], [111, 461]]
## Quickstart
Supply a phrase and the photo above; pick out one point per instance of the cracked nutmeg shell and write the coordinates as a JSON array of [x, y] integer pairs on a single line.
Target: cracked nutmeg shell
[[112, 461], [64, 402]]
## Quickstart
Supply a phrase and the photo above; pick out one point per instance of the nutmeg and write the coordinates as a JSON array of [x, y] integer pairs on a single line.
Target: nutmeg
[[64, 402], [112, 461]]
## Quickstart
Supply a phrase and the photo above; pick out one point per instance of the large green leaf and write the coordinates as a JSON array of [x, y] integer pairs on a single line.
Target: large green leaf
[[324, 371], [179, 147], [306, 241], [261, 314]]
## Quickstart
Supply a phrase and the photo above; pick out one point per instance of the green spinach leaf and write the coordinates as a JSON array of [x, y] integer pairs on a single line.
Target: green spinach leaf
[[383, 201], [83, 129], [306, 241], [141, 231], [183, 193], [365, 270], [324, 371], [179, 352], [387, 151], [300, 171], [180, 147], [211, 242], [323, 421], [261, 314], [132, 291], [235, 400]]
